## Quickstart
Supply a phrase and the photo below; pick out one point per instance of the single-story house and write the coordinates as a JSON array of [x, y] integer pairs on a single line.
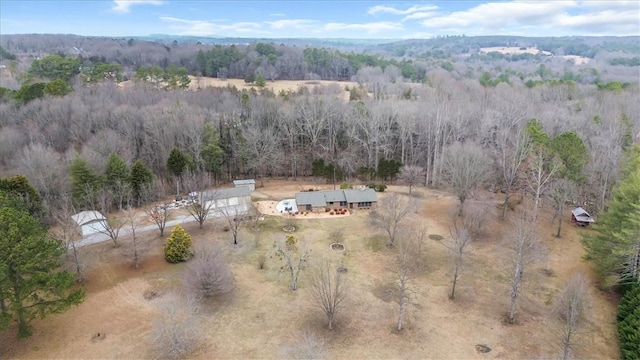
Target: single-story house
[[348, 198], [90, 222], [250, 183], [218, 199], [581, 217]]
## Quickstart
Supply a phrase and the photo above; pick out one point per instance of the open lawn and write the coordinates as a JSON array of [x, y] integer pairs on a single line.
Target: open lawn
[[263, 316]]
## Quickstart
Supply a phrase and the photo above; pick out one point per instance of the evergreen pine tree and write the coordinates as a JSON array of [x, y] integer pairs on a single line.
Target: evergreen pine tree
[[614, 246], [85, 183], [30, 284], [178, 246], [141, 177]]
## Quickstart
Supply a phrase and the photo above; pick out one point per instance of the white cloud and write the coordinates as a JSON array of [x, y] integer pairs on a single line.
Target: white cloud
[[611, 5], [420, 15], [123, 6], [391, 10], [207, 28], [371, 28], [549, 18], [496, 15], [297, 24]]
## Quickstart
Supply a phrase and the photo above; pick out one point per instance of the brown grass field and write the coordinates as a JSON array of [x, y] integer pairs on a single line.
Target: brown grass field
[[263, 315], [277, 86]]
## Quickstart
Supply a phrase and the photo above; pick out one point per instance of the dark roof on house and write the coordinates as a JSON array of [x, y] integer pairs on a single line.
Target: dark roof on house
[[313, 198], [356, 196], [226, 193], [321, 198], [334, 195], [581, 215]]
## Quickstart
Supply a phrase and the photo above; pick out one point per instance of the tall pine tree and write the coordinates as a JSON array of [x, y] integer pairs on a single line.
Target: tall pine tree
[[117, 177], [614, 246], [30, 284], [141, 178], [177, 163], [85, 183]]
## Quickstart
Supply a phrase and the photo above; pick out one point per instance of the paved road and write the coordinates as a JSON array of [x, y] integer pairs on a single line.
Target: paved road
[[183, 219]]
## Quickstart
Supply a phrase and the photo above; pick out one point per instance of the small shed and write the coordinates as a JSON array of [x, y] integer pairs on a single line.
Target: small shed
[[581, 217], [90, 222], [250, 183]]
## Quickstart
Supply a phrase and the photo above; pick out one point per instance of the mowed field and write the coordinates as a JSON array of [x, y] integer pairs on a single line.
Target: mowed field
[[276, 86], [262, 316]]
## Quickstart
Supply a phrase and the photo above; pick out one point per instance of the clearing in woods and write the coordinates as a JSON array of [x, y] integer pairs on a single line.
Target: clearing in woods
[[263, 316]]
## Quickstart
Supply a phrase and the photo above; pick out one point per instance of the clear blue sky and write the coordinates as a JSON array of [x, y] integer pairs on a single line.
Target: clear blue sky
[[321, 19]]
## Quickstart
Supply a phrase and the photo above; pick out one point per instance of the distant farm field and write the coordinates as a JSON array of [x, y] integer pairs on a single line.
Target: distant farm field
[[514, 50]]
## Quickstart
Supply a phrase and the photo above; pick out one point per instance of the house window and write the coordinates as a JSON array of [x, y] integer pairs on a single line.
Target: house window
[[343, 203], [331, 203], [308, 207], [364, 204]]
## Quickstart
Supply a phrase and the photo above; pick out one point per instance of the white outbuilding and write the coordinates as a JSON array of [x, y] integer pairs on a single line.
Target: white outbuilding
[[236, 199], [90, 222], [250, 183]]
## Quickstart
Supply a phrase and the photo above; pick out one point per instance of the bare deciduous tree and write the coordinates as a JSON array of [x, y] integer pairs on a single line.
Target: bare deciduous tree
[[407, 265], [328, 289], [234, 218], [207, 275], [562, 192], [67, 234], [261, 148], [176, 330], [200, 209], [306, 346], [539, 174], [476, 215], [523, 240], [294, 259], [103, 202], [136, 249], [571, 307], [466, 167], [513, 149], [411, 175], [159, 215], [460, 239], [391, 211]]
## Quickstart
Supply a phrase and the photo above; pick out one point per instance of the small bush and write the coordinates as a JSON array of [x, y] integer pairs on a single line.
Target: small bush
[[178, 246], [331, 213], [207, 275], [345, 185], [291, 240], [381, 187]]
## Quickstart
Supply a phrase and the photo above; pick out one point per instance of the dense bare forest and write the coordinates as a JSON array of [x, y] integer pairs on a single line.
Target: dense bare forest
[[405, 110]]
